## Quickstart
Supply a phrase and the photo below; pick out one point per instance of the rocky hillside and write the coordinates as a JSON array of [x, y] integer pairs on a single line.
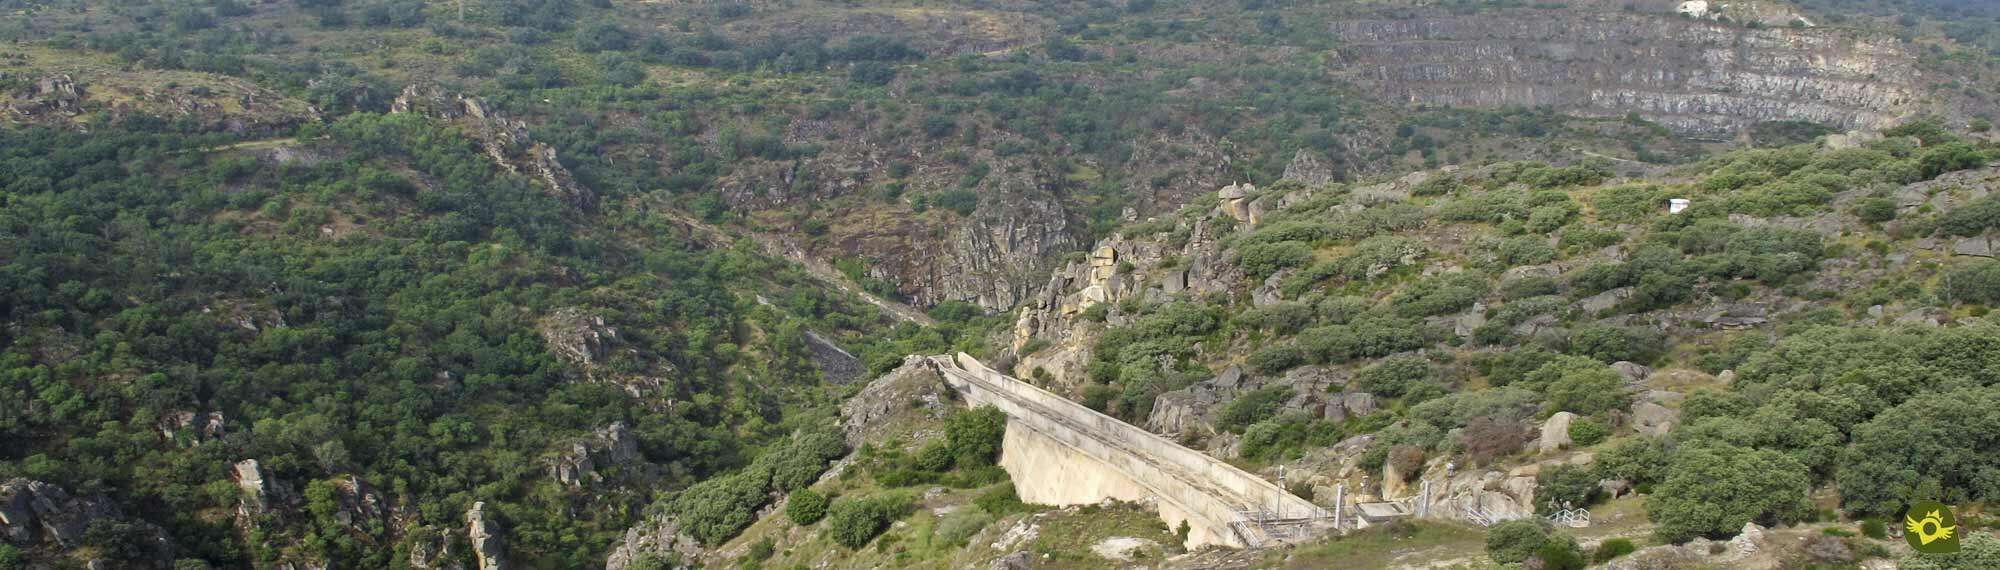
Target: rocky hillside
[[1501, 331], [953, 152]]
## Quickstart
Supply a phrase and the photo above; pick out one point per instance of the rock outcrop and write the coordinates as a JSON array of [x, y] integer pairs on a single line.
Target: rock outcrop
[[1121, 267], [1697, 77], [257, 491], [505, 140], [658, 540], [585, 341], [33, 511], [613, 445], [913, 386], [191, 429], [484, 534], [431, 549]]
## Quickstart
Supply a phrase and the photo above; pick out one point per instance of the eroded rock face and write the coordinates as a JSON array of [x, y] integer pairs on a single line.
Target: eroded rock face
[[431, 549], [256, 489], [33, 511], [484, 534], [656, 540], [612, 445], [1696, 77], [1057, 314], [1309, 168]]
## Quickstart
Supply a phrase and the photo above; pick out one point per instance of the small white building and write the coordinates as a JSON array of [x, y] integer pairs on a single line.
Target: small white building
[[1694, 8], [1675, 205]]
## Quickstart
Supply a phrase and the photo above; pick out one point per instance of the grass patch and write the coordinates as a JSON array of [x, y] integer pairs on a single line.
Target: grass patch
[[1406, 543]]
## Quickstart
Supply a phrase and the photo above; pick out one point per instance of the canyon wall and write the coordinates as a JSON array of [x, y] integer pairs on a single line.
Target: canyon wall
[[1701, 78]]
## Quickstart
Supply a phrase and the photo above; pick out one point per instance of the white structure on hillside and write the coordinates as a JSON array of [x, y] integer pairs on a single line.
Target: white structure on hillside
[[1675, 205], [1694, 8]]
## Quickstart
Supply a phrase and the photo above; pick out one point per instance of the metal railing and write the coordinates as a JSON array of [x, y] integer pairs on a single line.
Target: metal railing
[[1573, 518]]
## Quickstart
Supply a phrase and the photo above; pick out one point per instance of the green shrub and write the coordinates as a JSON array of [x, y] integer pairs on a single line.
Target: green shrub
[[763, 549], [935, 457], [1873, 528], [975, 435], [1512, 542], [1588, 392], [1875, 210], [1546, 219], [1253, 407], [1261, 260], [1278, 358], [1000, 500], [1560, 553], [1977, 282], [805, 507], [1526, 287], [1393, 376], [1612, 548], [1612, 343], [852, 523], [1449, 293], [959, 526], [1586, 432], [1572, 484], [1713, 490], [1629, 203]]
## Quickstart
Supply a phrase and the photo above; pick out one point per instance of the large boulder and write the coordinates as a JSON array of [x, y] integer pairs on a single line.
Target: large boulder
[[1632, 372], [1555, 432], [1653, 419]]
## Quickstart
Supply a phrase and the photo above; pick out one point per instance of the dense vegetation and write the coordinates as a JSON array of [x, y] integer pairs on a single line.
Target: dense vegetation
[[371, 315]]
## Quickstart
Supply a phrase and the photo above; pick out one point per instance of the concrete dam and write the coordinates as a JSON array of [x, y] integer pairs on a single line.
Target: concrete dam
[[1062, 453]]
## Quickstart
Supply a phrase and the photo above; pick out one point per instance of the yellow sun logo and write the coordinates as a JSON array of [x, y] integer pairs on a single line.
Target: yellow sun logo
[[1930, 529], [1933, 533]]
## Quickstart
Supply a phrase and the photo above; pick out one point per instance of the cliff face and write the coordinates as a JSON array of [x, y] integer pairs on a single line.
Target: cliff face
[[1700, 78]]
